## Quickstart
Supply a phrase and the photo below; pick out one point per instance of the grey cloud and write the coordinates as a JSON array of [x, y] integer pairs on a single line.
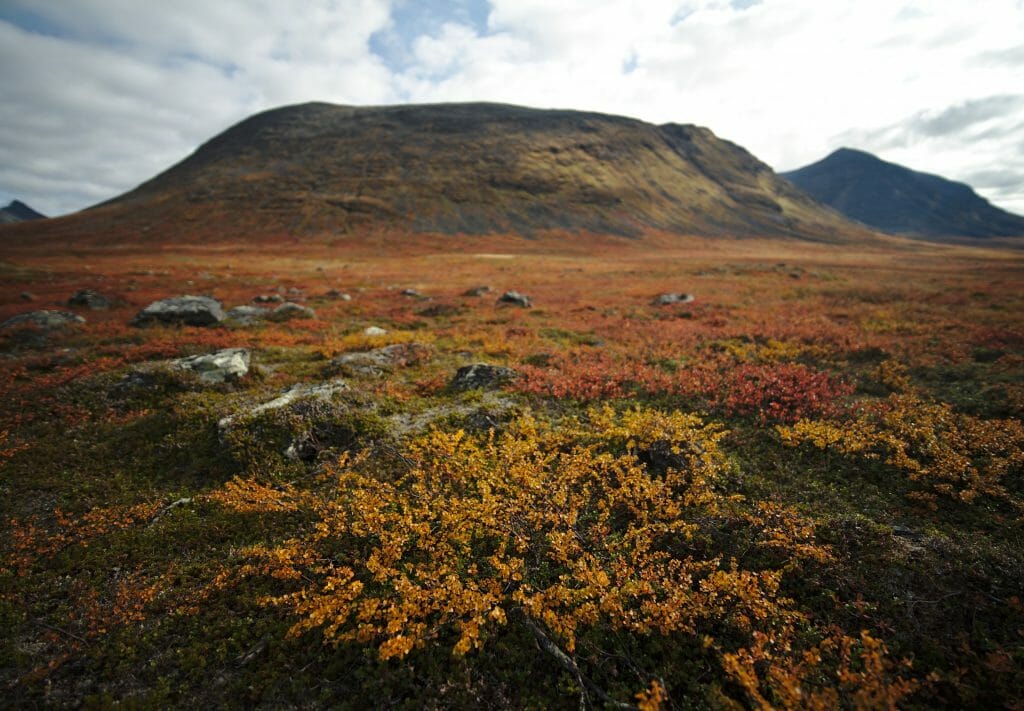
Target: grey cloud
[[957, 118], [1010, 57], [130, 88]]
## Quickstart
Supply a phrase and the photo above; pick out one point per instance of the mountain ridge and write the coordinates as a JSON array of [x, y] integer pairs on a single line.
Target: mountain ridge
[[474, 169]]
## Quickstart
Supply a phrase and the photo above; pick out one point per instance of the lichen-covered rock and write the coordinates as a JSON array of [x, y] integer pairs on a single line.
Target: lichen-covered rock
[[482, 375], [514, 298], [289, 310], [223, 366], [378, 361], [374, 331], [477, 291], [185, 310], [45, 319], [87, 298], [672, 298], [296, 426]]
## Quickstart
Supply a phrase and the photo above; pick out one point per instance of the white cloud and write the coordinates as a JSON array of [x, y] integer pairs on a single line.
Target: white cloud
[[131, 87]]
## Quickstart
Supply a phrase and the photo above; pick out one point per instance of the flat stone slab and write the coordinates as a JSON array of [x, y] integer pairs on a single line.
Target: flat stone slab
[[186, 310]]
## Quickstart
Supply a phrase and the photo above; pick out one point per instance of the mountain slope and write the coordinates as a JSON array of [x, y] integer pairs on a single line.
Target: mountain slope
[[459, 168], [895, 199], [17, 211]]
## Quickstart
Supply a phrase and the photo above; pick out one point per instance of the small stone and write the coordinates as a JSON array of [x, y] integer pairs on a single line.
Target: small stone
[[482, 375], [45, 319], [411, 292], [477, 291], [185, 310], [514, 298], [289, 310], [223, 366], [340, 295], [672, 298], [374, 331], [378, 361], [89, 299], [247, 314], [267, 299]]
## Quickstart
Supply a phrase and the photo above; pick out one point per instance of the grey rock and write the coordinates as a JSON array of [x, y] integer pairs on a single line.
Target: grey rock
[[45, 319], [267, 299], [186, 310], [378, 361], [223, 366], [289, 310], [411, 292], [672, 298], [374, 331], [247, 314], [482, 375], [339, 295], [89, 299], [477, 291], [514, 298]]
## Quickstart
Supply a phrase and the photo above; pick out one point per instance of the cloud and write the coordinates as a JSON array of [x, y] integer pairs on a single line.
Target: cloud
[[102, 94]]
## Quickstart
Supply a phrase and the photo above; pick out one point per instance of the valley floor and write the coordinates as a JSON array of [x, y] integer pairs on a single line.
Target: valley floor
[[802, 488]]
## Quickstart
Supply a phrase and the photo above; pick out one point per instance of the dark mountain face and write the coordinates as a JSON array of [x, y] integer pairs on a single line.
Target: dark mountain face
[[895, 199], [17, 211]]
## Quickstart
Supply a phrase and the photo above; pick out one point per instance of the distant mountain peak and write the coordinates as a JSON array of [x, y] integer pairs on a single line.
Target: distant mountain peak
[[17, 211], [892, 198]]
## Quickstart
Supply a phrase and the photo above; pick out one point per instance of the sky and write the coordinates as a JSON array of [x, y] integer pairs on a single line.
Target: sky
[[97, 96]]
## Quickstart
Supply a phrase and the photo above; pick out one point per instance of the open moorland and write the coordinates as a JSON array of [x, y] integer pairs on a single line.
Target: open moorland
[[802, 488]]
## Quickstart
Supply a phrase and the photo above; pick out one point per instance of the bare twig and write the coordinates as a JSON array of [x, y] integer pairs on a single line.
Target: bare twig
[[569, 665]]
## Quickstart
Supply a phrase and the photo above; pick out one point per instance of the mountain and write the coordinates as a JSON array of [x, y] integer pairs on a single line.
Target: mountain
[[895, 199], [456, 168], [18, 211]]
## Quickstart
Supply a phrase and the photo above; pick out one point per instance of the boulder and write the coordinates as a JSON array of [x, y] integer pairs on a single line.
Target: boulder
[[88, 298], [227, 365], [477, 291], [514, 298], [267, 299], [289, 310], [482, 375], [412, 292], [335, 294], [378, 361], [672, 298], [184, 310], [374, 331], [45, 319]]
